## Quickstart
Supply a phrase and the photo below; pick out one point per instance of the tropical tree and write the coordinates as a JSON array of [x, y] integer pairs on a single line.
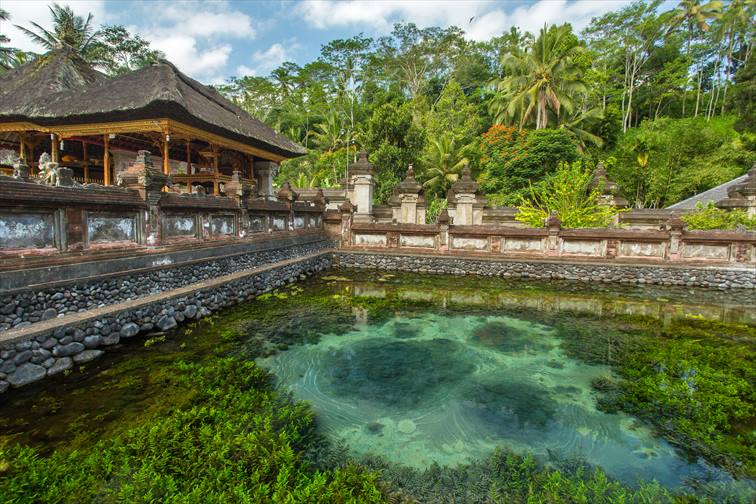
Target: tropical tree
[[328, 133], [543, 79], [69, 30], [442, 163], [117, 51], [6, 53]]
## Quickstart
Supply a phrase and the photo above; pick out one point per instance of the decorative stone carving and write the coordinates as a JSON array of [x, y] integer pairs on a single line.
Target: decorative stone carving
[[320, 200], [143, 175], [48, 169], [237, 188], [742, 195], [462, 197], [21, 170], [408, 202], [200, 190], [609, 191], [65, 177], [286, 193], [265, 171]]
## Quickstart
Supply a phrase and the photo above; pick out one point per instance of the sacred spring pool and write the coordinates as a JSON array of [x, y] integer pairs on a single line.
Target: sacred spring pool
[[422, 372]]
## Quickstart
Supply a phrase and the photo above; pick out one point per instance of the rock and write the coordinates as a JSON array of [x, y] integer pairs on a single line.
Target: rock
[[129, 330], [406, 426], [4, 386], [48, 362], [190, 311], [166, 322], [60, 365], [22, 325], [87, 355], [25, 374], [7, 309], [48, 314], [93, 341], [146, 327], [66, 340], [68, 350], [111, 339], [7, 367], [49, 343], [22, 357]]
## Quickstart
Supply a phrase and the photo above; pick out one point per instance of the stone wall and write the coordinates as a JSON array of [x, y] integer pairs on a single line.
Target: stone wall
[[25, 307], [547, 270], [31, 354]]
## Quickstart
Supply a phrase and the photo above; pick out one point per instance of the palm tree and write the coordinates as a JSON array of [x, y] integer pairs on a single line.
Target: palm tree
[[690, 13], [544, 78], [443, 161], [328, 134], [6, 53], [576, 125], [69, 30]]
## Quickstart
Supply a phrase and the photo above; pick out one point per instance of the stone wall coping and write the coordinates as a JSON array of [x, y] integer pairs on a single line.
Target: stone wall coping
[[174, 201], [273, 239], [391, 228], [105, 253], [47, 326], [494, 230], [559, 260], [719, 236], [20, 194]]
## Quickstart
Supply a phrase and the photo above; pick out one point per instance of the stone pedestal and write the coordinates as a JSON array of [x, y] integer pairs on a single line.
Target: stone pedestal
[[742, 196], [463, 198], [360, 177], [408, 200], [264, 173]]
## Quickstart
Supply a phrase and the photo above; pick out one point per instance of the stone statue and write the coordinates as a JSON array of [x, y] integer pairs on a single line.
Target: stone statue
[[48, 170]]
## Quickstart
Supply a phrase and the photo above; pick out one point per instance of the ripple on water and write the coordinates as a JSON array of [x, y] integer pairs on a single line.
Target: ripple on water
[[436, 388]]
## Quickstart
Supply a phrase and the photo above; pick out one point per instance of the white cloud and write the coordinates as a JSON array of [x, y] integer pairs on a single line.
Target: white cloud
[[268, 60], [481, 20], [24, 12], [183, 52]]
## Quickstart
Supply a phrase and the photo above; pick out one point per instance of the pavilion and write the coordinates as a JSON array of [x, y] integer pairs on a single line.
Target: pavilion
[[95, 125]]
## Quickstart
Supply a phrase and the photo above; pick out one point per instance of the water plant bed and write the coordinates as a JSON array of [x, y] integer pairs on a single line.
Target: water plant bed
[[368, 386]]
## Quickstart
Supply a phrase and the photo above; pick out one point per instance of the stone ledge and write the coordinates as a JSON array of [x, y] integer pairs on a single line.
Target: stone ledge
[[47, 326]]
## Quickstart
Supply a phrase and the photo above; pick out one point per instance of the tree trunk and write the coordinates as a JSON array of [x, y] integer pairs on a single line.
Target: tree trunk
[[698, 92]]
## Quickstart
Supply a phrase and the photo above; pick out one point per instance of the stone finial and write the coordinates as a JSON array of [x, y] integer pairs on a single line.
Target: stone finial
[[443, 217], [236, 188], [675, 223], [362, 166], [143, 175], [65, 177], [320, 200], [286, 193], [465, 183], [742, 195], [21, 170], [608, 189], [553, 220], [347, 207], [409, 185]]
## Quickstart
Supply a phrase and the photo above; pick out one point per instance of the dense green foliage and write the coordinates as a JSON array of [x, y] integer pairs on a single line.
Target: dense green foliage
[[697, 386], [237, 441], [567, 193], [711, 217]]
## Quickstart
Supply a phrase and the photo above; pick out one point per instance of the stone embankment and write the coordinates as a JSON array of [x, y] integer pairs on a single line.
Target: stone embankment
[[50, 347], [710, 277], [18, 310]]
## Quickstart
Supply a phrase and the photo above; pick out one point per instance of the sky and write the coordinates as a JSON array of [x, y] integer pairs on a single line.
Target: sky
[[215, 40]]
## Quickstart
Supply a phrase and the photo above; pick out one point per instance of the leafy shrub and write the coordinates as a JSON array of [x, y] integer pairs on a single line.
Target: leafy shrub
[[512, 159], [567, 193], [711, 217]]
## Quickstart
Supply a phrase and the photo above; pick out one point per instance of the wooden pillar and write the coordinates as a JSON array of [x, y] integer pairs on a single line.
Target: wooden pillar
[[85, 161], [55, 140], [166, 163], [189, 157], [106, 160], [216, 172], [22, 148]]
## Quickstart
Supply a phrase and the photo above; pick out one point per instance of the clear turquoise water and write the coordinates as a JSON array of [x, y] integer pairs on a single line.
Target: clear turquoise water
[[431, 386]]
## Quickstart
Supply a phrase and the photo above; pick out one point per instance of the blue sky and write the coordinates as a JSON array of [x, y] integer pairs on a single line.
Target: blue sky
[[215, 40]]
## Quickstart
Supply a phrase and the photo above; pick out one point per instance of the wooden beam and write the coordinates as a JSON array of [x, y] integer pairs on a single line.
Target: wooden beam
[[189, 157], [106, 160], [140, 126]]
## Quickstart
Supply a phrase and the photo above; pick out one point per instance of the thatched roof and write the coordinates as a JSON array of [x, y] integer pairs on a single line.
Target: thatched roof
[[56, 71], [156, 91]]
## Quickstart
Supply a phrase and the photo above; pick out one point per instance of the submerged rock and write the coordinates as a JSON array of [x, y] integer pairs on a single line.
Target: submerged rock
[[25, 374]]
